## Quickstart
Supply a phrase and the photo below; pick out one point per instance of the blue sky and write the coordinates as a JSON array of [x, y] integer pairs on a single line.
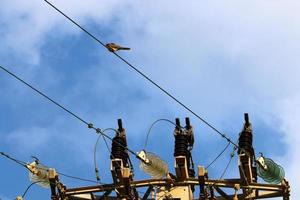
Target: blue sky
[[220, 58]]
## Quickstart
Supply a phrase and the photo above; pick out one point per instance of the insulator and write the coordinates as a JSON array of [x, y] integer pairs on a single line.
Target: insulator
[[155, 167], [181, 145], [246, 147], [245, 142], [269, 171], [39, 174], [118, 149], [184, 141], [246, 137]]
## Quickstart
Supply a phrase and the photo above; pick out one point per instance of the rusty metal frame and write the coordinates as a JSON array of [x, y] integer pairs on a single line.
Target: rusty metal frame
[[264, 190]]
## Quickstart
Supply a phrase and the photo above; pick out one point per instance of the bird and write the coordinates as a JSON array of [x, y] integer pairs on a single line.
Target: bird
[[112, 47]]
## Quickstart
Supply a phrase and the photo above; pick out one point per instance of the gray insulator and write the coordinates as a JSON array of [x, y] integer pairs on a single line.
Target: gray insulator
[[156, 167]]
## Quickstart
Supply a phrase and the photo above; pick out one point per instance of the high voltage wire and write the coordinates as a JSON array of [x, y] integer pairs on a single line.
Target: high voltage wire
[[29, 186], [44, 95], [217, 157], [24, 164], [228, 164], [152, 125], [144, 75], [90, 125]]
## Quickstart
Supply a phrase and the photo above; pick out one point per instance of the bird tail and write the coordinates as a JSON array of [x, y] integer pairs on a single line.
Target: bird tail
[[124, 48]]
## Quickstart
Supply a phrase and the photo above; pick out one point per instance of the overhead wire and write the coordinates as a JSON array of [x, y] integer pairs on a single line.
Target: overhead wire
[[95, 150], [29, 186], [89, 125], [152, 125], [218, 156], [19, 162], [24, 164], [232, 154], [44, 95], [139, 72], [228, 164], [144, 75], [78, 178]]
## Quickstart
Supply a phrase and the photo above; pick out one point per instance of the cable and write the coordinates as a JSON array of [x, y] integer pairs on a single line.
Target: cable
[[19, 162], [159, 120], [227, 166], [78, 178], [90, 125], [145, 76], [95, 150], [44, 95], [30, 187], [83, 29], [230, 159], [218, 156], [24, 164]]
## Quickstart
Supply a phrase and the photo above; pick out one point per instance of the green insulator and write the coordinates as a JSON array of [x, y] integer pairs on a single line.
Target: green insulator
[[270, 172]]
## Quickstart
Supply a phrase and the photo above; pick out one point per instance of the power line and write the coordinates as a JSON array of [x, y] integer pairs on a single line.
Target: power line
[[89, 125], [78, 178], [95, 150], [228, 164], [218, 156], [44, 95], [24, 164], [152, 125], [144, 75], [29, 186], [19, 162]]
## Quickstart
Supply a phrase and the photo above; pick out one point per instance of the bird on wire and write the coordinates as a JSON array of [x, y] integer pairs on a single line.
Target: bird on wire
[[112, 47]]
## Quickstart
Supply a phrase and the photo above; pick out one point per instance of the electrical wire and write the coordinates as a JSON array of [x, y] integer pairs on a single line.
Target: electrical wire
[[95, 150], [24, 164], [44, 95], [90, 125], [155, 122], [145, 76], [134, 68], [228, 164], [19, 162], [14, 159], [27, 189], [78, 178], [218, 156]]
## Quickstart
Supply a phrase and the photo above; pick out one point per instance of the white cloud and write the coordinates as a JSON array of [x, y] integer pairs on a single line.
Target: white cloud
[[29, 140], [289, 114], [27, 23]]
